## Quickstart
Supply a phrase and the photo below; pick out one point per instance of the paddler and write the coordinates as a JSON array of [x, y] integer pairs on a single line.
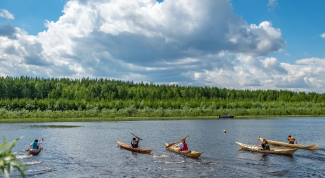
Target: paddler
[[265, 145], [292, 140], [183, 145], [36, 144], [135, 142]]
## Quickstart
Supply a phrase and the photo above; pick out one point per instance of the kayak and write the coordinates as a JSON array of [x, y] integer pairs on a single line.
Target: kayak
[[34, 151], [271, 151], [190, 153], [309, 147], [129, 147]]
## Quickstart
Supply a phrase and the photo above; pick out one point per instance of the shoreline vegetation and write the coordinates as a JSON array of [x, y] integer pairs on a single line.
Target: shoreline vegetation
[[119, 119], [24, 99]]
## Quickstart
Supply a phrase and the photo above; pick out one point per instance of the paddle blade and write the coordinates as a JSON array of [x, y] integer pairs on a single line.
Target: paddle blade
[[170, 145]]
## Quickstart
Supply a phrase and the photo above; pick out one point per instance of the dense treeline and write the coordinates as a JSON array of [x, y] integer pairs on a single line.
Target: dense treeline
[[98, 89], [40, 97]]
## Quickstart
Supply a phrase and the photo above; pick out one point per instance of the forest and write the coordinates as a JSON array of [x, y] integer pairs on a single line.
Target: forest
[[33, 97]]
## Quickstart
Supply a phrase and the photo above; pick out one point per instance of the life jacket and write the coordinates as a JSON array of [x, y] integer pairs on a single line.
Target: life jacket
[[185, 148], [134, 144], [34, 145], [291, 140]]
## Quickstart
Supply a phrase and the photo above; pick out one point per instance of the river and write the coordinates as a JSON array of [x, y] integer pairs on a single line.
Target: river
[[90, 149]]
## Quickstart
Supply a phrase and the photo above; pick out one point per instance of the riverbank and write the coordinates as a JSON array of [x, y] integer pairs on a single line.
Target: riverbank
[[185, 112], [119, 119]]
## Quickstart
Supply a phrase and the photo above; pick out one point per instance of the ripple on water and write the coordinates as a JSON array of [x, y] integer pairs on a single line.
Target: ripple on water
[[166, 162], [47, 126], [32, 163], [24, 156], [161, 156]]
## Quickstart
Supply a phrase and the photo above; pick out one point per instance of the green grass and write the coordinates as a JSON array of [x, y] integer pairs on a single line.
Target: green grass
[[118, 119]]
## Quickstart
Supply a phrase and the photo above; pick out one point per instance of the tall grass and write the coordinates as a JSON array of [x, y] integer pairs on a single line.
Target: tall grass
[[186, 111]]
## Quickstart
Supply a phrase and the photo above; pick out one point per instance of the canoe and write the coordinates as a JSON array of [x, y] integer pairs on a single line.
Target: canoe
[[272, 151], [34, 152], [309, 147], [190, 153], [226, 116], [129, 147]]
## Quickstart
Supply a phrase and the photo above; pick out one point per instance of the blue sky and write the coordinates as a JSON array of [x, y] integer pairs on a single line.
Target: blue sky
[[301, 23], [31, 15], [251, 44]]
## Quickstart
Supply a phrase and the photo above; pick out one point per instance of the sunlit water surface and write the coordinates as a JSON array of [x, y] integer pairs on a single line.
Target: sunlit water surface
[[90, 150]]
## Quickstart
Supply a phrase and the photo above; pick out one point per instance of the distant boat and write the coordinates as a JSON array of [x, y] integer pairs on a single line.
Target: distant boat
[[226, 116]]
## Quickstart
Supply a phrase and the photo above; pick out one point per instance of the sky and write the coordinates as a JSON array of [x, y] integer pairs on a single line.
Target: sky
[[235, 44]]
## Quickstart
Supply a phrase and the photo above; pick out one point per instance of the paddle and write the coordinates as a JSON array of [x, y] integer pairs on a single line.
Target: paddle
[[136, 136], [176, 142], [257, 140]]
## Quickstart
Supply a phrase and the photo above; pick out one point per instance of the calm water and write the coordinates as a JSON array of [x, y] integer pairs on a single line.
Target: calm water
[[91, 150]]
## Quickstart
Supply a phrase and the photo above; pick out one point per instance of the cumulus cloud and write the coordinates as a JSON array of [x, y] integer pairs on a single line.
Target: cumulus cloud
[[184, 41], [6, 14], [8, 31]]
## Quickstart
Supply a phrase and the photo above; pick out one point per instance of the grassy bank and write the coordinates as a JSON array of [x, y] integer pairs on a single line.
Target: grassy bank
[[119, 119], [146, 112]]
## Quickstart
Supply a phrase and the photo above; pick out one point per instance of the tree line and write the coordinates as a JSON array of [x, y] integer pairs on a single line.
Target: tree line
[[110, 89]]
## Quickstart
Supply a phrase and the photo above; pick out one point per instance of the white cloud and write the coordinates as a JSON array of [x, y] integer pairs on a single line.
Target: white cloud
[[323, 35], [184, 41], [267, 73], [6, 14], [312, 61], [272, 4]]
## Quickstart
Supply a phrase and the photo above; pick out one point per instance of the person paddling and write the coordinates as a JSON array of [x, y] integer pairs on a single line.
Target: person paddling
[[265, 145], [292, 140], [135, 142], [36, 145], [183, 145]]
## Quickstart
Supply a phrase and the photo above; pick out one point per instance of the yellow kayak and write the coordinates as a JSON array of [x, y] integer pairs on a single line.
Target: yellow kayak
[[129, 147], [189, 153], [271, 151], [309, 147]]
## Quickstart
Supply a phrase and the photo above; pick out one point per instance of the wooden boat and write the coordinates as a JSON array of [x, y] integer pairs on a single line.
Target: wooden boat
[[129, 147], [34, 152], [272, 151], [190, 153], [226, 116], [309, 147]]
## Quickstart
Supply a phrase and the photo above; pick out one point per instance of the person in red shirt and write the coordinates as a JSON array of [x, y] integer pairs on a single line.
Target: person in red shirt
[[183, 145]]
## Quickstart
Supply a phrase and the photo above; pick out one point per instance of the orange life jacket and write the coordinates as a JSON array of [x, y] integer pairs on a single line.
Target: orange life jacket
[[291, 140]]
